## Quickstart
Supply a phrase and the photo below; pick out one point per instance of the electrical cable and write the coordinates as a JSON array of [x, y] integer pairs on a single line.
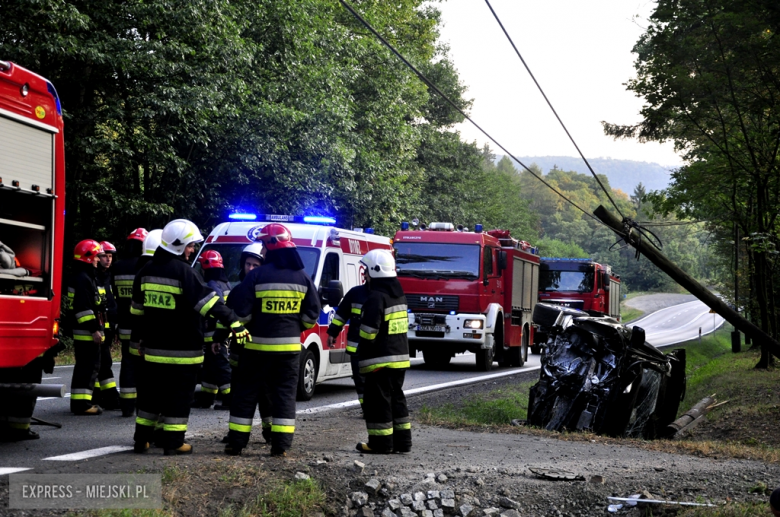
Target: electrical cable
[[440, 93], [553, 109]]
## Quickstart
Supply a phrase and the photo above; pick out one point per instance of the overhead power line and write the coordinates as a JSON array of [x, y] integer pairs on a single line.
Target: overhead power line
[[455, 106], [551, 108]]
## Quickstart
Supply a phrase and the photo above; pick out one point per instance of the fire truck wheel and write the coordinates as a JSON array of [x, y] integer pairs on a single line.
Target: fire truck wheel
[[485, 358], [436, 358], [307, 377]]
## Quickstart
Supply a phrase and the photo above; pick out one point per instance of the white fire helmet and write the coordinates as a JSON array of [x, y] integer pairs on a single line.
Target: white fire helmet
[[152, 242], [178, 234], [255, 249], [379, 264]]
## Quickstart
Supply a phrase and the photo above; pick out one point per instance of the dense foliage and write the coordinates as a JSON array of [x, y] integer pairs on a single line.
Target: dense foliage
[[195, 109], [710, 75]]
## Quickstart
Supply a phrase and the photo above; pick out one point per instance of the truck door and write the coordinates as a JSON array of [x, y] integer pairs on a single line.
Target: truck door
[[331, 270], [491, 276]]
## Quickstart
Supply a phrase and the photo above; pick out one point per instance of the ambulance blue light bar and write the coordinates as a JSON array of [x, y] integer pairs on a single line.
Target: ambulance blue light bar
[[318, 219], [283, 218], [242, 217]]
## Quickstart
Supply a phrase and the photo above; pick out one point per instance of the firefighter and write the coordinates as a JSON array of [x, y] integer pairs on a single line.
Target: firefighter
[[252, 256], [169, 302], [216, 368], [122, 284], [86, 317], [281, 301], [105, 394], [350, 309], [383, 351]]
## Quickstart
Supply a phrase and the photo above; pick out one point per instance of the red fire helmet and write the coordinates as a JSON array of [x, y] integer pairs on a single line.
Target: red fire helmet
[[108, 247], [210, 259], [275, 236], [87, 250], [139, 234]]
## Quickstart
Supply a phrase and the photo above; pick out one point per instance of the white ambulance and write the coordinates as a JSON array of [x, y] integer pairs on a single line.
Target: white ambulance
[[332, 260]]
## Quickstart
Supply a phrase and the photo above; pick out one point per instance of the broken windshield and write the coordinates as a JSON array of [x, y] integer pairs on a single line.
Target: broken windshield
[[437, 259]]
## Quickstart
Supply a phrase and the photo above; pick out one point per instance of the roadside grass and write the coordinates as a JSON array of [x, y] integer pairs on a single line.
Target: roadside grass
[[294, 499], [629, 313], [188, 492], [729, 510], [749, 416]]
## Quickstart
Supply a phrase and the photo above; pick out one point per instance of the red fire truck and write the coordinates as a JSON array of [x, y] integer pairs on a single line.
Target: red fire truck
[[331, 257], [32, 217], [467, 291], [576, 283]]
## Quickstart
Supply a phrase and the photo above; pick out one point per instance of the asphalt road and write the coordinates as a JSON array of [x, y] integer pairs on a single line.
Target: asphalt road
[[88, 436]]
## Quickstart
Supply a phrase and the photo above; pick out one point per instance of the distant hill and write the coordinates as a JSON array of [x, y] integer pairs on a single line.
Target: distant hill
[[622, 174]]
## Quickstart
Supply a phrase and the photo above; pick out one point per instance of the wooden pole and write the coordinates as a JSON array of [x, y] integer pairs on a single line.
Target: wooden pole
[[632, 237]]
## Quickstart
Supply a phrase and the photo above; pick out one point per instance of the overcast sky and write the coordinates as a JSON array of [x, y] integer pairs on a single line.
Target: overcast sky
[[578, 50]]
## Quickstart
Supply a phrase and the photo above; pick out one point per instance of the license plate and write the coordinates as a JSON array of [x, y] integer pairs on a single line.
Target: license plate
[[431, 328]]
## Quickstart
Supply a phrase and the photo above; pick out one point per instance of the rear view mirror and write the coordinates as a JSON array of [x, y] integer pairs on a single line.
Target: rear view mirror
[[501, 260], [333, 293], [605, 280]]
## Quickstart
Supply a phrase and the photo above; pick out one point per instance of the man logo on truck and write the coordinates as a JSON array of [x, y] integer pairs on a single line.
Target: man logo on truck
[[431, 299]]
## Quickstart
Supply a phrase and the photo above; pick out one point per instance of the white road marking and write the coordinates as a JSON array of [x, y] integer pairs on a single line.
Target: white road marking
[[92, 453], [424, 389], [10, 470], [51, 378], [66, 396]]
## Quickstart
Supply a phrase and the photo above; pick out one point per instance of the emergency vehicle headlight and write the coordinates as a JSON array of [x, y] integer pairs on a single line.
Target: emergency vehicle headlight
[[319, 219], [452, 313], [472, 324], [242, 217]]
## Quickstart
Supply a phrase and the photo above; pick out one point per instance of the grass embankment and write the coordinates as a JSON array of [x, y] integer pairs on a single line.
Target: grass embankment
[[228, 489], [67, 356], [743, 427], [629, 313]]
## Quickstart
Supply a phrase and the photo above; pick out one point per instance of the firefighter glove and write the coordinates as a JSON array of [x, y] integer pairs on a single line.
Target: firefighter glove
[[240, 333]]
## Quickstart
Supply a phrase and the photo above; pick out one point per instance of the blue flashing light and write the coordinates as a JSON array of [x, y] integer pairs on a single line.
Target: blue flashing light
[[242, 217], [53, 92], [478, 228], [318, 219], [369, 230], [452, 313], [404, 226]]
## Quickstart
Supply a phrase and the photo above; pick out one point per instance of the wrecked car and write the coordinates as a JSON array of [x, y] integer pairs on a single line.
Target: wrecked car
[[599, 375]]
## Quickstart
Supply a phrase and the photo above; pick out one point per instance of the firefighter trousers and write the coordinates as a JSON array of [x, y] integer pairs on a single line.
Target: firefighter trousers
[[263, 396], [85, 372], [105, 388], [358, 378], [166, 390], [16, 411], [387, 417], [128, 391], [272, 375], [215, 376]]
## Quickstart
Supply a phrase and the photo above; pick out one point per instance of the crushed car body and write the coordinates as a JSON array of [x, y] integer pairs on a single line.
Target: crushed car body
[[599, 375]]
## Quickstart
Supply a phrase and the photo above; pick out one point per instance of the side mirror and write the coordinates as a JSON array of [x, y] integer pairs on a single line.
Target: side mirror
[[333, 293], [605, 280], [501, 260], [637, 337]]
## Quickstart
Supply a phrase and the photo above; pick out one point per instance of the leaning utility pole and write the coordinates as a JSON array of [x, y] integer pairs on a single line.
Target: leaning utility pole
[[632, 237]]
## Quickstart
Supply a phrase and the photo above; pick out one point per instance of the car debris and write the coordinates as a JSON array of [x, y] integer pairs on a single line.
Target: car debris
[[599, 375]]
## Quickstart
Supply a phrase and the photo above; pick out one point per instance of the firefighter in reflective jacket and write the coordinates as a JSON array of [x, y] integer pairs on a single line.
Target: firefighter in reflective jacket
[[105, 394], [350, 309], [384, 357], [122, 284], [281, 301], [169, 302], [215, 375], [87, 317]]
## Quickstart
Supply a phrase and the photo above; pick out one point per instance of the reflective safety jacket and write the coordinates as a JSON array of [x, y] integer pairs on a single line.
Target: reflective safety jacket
[[223, 290], [86, 308], [122, 283], [350, 309], [277, 305], [169, 302], [103, 280], [383, 328]]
